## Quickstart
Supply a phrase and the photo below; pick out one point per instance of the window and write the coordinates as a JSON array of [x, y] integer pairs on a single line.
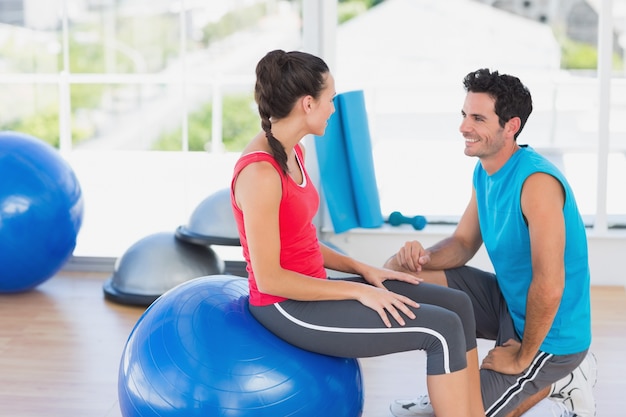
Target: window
[[411, 68], [118, 85], [147, 98]]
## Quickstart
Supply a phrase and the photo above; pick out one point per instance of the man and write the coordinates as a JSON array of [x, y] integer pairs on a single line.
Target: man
[[537, 304]]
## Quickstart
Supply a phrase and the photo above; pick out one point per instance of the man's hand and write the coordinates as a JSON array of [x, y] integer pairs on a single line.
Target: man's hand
[[412, 256], [505, 359]]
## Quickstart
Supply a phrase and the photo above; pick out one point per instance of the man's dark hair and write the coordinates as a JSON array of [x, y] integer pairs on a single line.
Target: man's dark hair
[[512, 98]]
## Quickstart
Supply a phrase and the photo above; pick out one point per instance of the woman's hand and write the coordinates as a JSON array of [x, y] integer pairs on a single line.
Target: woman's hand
[[387, 303], [383, 301], [376, 276]]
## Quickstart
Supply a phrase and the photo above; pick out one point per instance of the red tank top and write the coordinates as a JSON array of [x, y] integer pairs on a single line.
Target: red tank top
[[299, 246]]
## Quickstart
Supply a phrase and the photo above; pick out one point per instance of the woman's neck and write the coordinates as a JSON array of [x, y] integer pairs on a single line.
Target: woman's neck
[[289, 133]]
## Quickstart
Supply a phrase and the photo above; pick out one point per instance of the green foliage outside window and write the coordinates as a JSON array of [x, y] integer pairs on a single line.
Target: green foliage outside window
[[44, 125], [231, 22], [581, 56], [239, 125], [576, 55], [348, 9], [154, 40]]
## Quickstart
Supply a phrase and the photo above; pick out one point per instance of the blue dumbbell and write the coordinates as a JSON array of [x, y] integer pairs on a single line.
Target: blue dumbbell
[[418, 222]]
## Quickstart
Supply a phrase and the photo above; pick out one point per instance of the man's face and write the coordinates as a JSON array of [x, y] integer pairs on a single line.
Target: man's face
[[480, 128]]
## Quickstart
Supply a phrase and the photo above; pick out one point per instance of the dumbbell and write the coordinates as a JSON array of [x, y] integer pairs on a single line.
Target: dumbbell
[[396, 218]]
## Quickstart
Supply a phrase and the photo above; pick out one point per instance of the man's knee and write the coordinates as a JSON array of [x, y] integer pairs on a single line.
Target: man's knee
[[434, 277]]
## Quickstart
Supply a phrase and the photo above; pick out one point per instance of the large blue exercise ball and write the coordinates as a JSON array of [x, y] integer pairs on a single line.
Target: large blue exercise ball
[[197, 351], [41, 211]]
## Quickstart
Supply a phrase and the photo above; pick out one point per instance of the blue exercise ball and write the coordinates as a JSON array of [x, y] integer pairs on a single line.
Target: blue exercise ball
[[41, 211], [197, 351]]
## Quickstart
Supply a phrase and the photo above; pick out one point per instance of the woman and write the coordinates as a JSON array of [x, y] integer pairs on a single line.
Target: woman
[[371, 314]]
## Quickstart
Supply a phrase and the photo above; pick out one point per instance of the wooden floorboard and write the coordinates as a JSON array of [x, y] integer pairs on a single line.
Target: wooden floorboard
[[61, 343]]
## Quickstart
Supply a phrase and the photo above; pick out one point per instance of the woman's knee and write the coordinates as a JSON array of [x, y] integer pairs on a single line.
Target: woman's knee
[[447, 350]]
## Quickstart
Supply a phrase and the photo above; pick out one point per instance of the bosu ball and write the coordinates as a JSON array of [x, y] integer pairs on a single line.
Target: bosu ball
[[212, 222], [155, 264]]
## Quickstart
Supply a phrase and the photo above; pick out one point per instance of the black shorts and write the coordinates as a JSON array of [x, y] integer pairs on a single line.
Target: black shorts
[[503, 393]]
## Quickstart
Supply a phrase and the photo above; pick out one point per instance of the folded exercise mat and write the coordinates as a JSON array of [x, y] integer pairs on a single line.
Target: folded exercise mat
[[346, 166]]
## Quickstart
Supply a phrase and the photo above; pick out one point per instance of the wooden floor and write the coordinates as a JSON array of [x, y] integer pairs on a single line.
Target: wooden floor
[[60, 347]]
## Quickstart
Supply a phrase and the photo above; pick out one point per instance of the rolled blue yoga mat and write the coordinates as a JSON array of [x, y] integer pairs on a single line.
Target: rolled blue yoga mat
[[335, 175], [360, 159], [346, 166]]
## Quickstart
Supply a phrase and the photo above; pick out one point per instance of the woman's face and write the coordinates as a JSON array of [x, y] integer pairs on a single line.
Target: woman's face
[[323, 107]]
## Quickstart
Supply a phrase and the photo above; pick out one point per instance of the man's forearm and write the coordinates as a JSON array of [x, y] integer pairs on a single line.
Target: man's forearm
[[541, 307], [447, 254]]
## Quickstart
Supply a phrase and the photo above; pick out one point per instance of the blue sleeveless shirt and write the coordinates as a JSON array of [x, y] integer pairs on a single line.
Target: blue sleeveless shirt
[[507, 240]]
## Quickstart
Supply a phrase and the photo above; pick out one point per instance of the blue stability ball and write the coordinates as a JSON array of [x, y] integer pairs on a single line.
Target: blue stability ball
[[41, 210], [197, 351]]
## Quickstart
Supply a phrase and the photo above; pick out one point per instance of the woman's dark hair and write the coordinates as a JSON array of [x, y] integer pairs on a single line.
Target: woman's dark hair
[[281, 79], [512, 98]]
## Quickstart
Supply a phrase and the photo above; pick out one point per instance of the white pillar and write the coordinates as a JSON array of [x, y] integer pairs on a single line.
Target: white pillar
[[182, 47], [65, 102], [605, 64], [320, 28]]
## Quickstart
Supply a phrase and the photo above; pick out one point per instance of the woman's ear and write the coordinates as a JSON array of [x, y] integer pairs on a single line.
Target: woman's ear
[[307, 103]]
